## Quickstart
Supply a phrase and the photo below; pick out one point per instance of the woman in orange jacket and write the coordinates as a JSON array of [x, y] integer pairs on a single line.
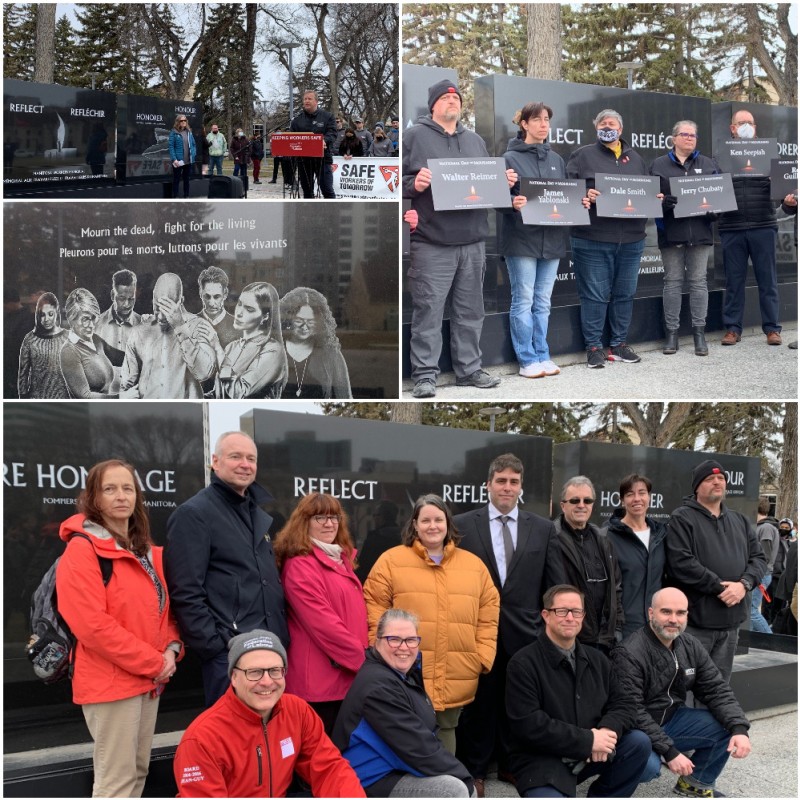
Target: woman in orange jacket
[[127, 639]]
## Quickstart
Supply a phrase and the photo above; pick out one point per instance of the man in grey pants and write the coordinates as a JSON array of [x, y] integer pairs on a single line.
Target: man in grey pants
[[447, 249]]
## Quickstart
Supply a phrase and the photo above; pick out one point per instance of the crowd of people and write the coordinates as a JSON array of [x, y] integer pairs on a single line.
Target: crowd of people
[[448, 247], [269, 347], [559, 650]]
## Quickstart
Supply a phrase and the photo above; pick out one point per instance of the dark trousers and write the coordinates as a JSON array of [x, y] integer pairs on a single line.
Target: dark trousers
[[256, 168], [215, 678], [759, 245], [311, 169], [482, 731], [181, 174]]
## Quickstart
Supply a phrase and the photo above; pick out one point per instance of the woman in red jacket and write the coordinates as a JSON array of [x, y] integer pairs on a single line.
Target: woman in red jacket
[[327, 615], [128, 641]]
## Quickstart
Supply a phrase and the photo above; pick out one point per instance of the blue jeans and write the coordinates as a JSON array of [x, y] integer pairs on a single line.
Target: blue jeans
[[695, 729], [757, 621], [759, 245], [618, 778], [606, 274], [215, 161], [240, 170], [532, 281]]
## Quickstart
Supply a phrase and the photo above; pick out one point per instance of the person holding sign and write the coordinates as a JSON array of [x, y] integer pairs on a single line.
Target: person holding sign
[[751, 232], [607, 252], [685, 242], [447, 249], [532, 252]]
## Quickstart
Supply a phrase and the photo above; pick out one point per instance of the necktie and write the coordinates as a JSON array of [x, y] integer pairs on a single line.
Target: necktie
[[508, 542]]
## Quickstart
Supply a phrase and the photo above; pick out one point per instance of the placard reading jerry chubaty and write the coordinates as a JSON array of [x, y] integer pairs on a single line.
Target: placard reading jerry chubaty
[[702, 194], [747, 158], [628, 196], [462, 183], [553, 202], [784, 177]]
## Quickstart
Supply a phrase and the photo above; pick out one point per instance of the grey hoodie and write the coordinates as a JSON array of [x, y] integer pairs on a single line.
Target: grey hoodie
[[425, 140]]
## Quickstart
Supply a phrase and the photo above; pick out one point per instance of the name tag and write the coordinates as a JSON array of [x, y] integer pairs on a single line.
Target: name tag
[[287, 747]]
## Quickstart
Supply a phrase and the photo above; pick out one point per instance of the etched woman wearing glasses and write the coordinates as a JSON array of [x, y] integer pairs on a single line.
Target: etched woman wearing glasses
[[317, 368], [590, 563], [386, 726], [327, 616], [452, 593]]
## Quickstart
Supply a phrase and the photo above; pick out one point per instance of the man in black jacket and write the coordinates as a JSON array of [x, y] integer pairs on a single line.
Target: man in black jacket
[[656, 667], [313, 119], [569, 718], [590, 563], [219, 563], [522, 567], [714, 557], [751, 233]]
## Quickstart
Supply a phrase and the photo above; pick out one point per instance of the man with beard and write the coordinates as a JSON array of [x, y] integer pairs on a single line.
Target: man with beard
[[657, 666], [714, 557], [170, 354]]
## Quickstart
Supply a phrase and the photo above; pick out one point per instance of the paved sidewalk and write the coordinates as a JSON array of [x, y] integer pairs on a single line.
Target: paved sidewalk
[[750, 370], [769, 771]]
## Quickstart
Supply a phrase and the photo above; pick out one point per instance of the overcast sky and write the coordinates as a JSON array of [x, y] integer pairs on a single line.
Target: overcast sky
[[224, 415]]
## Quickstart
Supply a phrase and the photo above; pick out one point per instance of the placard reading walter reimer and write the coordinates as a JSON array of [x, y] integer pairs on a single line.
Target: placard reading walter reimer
[[461, 183], [553, 202], [702, 194], [628, 196], [747, 158], [784, 177]]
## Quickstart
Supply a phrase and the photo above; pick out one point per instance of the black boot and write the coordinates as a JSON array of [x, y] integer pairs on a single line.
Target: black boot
[[700, 346], [671, 343]]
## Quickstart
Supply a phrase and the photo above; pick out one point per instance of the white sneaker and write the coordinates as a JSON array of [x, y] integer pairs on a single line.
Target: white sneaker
[[550, 367], [535, 370]]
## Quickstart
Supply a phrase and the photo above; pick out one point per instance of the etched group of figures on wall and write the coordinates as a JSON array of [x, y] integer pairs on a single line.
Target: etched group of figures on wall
[[267, 348]]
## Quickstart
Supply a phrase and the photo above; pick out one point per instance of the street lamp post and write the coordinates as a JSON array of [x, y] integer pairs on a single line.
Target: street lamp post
[[630, 66], [491, 412], [291, 46]]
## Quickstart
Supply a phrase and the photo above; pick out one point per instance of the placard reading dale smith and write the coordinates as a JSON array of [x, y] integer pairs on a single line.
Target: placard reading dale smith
[[628, 196], [462, 183], [554, 202]]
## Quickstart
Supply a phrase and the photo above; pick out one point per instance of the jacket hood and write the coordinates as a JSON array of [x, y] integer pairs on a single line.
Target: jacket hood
[[690, 501], [615, 522], [102, 540], [540, 151], [427, 121]]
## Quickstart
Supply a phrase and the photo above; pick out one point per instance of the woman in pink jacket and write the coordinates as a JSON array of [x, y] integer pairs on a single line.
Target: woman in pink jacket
[[128, 641], [326, 610]]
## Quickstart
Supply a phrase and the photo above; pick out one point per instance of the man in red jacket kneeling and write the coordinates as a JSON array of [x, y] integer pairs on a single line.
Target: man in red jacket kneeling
[[253, 739]]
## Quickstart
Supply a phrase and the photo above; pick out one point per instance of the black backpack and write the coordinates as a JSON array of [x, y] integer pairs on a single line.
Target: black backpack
[[52, 644]]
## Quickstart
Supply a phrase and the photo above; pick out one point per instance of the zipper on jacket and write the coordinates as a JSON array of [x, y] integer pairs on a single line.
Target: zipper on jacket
[[669, 696], [259, 755], [269, 756]]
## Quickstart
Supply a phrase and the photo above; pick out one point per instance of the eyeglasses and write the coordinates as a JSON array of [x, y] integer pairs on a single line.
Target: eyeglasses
[[577, 613], [299, 322], [411, 642], [687, 135], [321, 519], [276, 673], [573, 501]]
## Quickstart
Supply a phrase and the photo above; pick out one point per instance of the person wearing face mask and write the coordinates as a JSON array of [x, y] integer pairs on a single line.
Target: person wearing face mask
[[606, 253], [750, 232], [350, 145], [240, 153], [381, 144]]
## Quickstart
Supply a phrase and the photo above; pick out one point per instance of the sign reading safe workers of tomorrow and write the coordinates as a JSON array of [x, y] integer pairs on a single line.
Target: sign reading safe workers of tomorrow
[[185, 301], [56, 135], [628, 196], [702, 194], [554, 202], [466, 183], [143, 128], [48, 449]]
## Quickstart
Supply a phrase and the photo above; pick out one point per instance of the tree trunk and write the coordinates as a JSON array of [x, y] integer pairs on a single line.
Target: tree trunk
[[410, 413], [787, 492], [251, 10], [45, 42], [544, 41]]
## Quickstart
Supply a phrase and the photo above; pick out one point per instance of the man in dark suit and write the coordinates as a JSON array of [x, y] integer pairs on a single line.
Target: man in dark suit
[[521, 552]]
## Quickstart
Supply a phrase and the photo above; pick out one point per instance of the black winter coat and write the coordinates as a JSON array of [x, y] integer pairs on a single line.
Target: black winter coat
[[641, 569], [703, 550], [755, 207], [608, 630], [320, 121], [656, 679], [683, 230], [220, 568], [551, 711]]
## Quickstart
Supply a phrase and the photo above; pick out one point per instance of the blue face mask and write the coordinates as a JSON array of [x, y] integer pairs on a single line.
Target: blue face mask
[[607, 135]]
